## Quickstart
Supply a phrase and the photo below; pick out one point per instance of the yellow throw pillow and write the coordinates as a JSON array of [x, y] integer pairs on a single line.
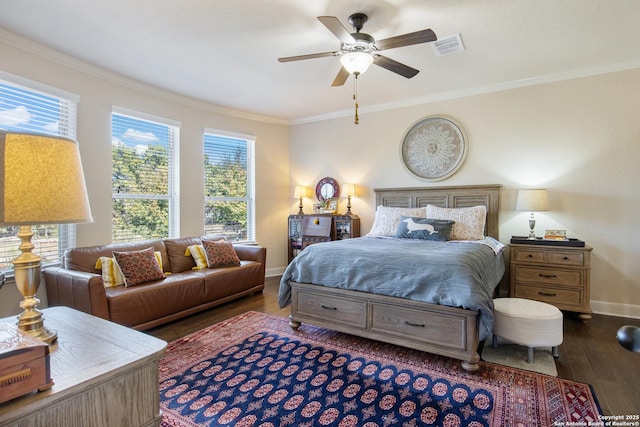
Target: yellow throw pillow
[[111, 273], [199, 256]]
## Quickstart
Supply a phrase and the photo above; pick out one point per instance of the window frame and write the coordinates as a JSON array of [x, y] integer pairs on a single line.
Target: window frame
[[67, 127], [250, 141], [173, 150]]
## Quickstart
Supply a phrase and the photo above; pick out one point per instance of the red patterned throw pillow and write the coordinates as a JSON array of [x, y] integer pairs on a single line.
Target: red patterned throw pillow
[[138, 266], [220, 253]]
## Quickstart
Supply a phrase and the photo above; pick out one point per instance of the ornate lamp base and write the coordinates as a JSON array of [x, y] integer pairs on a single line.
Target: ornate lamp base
[[27, 273]]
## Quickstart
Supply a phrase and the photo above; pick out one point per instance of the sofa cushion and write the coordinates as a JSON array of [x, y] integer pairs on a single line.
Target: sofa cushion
[[220, 253], [223, 282], [138, 266], [85, 258], [153, 300], [176, 252]]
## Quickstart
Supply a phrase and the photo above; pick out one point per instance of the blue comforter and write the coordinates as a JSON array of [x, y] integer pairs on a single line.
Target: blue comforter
[[456, 274]]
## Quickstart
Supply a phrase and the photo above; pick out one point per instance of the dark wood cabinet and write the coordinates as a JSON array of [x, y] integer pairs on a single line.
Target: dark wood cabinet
[[305, 230]]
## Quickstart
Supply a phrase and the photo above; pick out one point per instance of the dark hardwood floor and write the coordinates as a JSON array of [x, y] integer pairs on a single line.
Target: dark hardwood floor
[[589, 354]]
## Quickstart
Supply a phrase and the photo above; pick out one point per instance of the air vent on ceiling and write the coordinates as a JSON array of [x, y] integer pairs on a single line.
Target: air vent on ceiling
[[448, 45]]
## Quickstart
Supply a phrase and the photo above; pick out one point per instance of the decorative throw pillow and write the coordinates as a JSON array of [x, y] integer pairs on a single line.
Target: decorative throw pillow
[[220, 253], [469, 222], [424, 228], [111, 273], [387, 219], [139, 266], [199, 256]]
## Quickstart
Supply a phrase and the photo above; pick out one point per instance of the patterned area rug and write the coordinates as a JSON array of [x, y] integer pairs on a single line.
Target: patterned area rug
[[253, 370]]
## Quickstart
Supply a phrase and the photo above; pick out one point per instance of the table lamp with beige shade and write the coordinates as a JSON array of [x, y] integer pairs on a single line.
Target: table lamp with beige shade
[[41, 182], [532, 201]]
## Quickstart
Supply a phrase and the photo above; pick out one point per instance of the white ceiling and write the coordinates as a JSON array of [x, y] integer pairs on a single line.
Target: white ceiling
[[225, 51]]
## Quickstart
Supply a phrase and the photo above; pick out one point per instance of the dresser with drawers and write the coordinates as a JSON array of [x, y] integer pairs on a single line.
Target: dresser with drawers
[[557, 275]]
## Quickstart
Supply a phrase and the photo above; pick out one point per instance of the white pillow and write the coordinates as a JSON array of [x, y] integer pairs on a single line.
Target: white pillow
[[469, 222], [387, 219]]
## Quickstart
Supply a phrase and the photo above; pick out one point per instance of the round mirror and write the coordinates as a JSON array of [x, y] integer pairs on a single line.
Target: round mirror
[[327, 188]]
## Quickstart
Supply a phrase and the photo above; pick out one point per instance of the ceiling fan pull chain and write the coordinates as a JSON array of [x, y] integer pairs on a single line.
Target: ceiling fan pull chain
[[355, 98]]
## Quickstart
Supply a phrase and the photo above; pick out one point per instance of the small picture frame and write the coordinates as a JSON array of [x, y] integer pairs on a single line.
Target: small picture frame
[[555, 234], [331, 206]]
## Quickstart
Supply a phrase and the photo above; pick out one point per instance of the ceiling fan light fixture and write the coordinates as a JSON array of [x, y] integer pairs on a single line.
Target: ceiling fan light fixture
[[356, 62]]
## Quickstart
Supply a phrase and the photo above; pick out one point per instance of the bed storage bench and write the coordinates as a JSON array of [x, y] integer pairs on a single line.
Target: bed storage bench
[[447, 331]]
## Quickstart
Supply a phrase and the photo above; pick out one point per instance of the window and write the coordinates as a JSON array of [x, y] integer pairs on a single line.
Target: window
[[144, 176], [229, 207], [27, 106]]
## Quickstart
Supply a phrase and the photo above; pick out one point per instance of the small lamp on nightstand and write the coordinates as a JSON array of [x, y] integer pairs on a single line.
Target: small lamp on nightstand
[[349, 190], [532, 201], [299, 193]]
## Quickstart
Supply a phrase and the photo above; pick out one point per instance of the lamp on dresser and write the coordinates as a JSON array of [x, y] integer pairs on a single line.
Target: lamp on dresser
[[532, 201], [349, 190], [301, 192], [41, 182]]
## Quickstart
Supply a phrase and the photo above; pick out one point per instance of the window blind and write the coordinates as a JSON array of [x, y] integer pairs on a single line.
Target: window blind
[[144, 177], [229, 185], [27, 106]]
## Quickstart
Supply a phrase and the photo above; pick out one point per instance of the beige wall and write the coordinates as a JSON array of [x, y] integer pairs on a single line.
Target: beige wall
[[579, 138], [99, 91]]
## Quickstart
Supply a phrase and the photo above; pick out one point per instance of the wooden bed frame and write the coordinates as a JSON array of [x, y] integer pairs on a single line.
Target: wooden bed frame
[[438, 329]]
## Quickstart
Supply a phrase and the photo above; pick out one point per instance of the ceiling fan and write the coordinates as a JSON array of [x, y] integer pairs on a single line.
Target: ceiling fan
[[358, 50]]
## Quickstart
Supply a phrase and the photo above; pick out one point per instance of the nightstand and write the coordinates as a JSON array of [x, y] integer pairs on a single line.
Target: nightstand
[[557, 275]]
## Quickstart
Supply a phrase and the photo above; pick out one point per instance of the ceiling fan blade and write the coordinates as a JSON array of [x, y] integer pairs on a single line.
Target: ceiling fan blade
[[417, 37], [335, 26], [395, 66], [309, 56], [341, 77]]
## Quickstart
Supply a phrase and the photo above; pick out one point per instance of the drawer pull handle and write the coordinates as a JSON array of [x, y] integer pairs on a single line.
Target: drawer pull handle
[[530, 256], [548, 276], [326, 307], [419, 325], [547, 294], [566, 258]]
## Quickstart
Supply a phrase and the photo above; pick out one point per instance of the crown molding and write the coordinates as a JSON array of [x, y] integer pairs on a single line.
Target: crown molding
[[480, 90], [51, 54]]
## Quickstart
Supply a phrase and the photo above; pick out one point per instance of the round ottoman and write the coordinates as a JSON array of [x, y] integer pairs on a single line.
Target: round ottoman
[[527, 322]]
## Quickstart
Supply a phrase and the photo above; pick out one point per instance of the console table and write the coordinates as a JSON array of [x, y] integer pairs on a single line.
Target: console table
[[104, 374]]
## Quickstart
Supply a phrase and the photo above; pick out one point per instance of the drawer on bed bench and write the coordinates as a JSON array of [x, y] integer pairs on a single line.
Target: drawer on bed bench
[[422, 325], [332, 308]]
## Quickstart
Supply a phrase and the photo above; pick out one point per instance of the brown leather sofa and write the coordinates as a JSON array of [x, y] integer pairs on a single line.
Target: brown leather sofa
[[78, 284]]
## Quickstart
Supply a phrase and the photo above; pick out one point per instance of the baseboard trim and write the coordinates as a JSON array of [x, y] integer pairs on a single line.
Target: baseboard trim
[[631, 311], [274, 271]]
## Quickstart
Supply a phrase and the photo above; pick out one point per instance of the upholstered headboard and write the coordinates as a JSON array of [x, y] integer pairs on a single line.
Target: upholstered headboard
[[462, 196]]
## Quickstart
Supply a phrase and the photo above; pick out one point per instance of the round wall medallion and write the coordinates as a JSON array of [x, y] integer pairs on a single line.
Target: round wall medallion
[[434, 148]]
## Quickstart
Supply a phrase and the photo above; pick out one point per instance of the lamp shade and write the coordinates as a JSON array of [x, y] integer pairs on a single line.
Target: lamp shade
[[356, 62], [349, 190], [41, 180], [532, 200], [300, 191]]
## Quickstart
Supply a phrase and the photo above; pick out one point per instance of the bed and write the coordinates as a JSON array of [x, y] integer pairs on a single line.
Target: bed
[[370, 287]]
